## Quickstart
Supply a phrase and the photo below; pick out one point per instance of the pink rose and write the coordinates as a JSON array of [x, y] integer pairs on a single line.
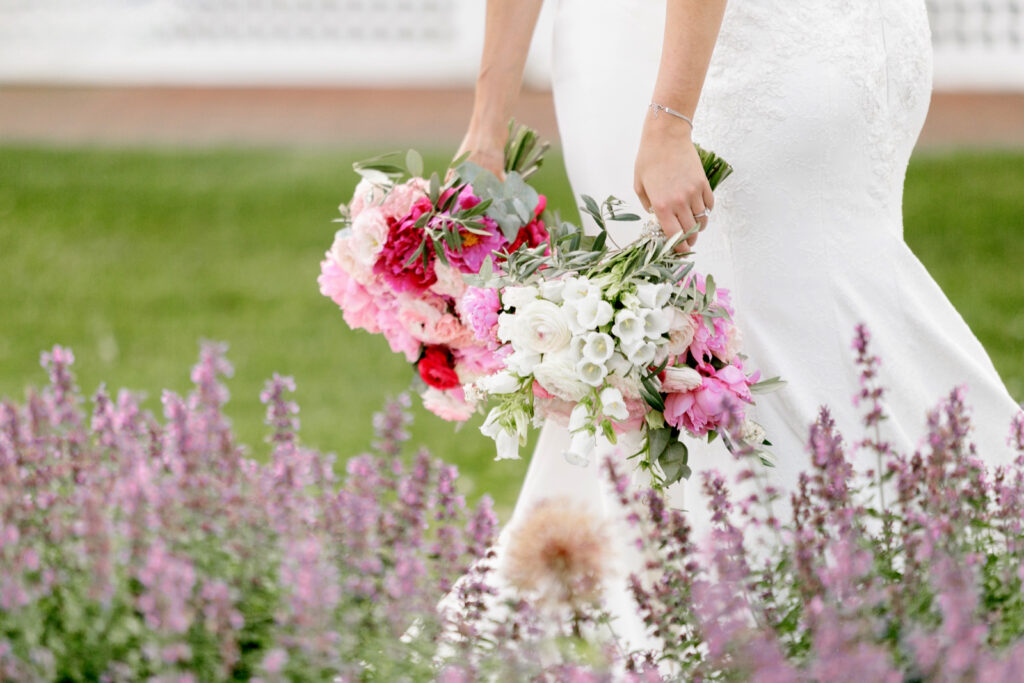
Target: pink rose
[[366, 194], [449, 282], [418, 316], [400, 200]]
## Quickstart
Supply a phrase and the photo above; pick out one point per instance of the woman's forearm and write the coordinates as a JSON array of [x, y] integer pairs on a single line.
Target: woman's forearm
[[691, 30], [509, 29]]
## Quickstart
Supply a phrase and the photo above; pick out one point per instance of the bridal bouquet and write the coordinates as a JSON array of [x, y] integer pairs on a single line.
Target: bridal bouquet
[[612, 341], [396, 267]]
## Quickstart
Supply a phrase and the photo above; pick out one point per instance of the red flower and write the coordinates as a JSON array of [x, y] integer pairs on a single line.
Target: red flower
[[535, 233], [437, 368]]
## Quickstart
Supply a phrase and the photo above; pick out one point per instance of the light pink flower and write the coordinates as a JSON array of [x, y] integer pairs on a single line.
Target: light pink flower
[[400, 200], [474, 361], [450, 405], [366, 194], [369, 234], [357, 304], [479, 309], [398, 337], [419, 315], [449, 282]]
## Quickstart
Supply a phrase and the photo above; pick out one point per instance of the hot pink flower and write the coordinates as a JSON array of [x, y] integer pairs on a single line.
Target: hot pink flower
[[404, 238], [475, 248]]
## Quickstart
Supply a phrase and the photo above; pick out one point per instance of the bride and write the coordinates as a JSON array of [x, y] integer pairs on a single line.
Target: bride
[[817, 104]]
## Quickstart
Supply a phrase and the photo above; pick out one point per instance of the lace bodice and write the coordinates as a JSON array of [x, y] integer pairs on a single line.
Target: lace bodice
[[786, 66]]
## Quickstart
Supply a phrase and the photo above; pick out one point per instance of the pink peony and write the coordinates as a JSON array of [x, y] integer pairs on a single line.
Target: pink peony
[[404, 238], [450, 405], [703, 409], [475, 248], [479, 309]]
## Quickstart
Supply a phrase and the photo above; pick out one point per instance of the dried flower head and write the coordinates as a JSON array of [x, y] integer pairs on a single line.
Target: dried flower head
[[560, 552]]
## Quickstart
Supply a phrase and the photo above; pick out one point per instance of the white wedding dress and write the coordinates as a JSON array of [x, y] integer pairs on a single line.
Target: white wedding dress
[[817, 104]]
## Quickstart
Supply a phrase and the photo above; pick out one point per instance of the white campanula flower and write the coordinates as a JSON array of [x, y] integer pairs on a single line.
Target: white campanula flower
[[653, 295], [591, 373], [598, 347], [558, 376], [580, 417], [629, 301], [540, 327], [577, 288], [522, 363], [628, 327], [613, 405], [619, 365], [682, 378], [518, 297], [552, 290], [593, 312], [581, 447], [641, 353], [506, 441], [656, 323], [499, 383]]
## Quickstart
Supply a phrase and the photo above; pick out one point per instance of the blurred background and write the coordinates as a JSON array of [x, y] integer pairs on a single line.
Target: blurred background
[[169, 170]]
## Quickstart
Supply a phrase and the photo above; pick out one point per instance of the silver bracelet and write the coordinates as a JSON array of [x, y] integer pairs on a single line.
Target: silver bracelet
[[655, 108]]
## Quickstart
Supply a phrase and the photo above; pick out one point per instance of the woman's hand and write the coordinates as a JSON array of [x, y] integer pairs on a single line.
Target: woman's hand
[[486, 147], [669, 178]]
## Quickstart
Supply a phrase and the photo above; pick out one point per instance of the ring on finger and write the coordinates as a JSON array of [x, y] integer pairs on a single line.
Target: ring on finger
[[703, 214]]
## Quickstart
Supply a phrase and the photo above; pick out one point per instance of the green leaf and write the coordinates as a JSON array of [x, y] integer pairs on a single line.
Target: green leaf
[[435, 188], [658, 440], [414, 163], [674, 462], [767, 385]]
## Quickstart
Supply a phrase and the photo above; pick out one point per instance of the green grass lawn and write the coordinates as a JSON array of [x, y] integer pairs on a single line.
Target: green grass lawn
[[131, 257]]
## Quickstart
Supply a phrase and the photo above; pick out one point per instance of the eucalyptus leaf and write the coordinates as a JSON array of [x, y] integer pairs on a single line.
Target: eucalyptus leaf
[[414, 163]]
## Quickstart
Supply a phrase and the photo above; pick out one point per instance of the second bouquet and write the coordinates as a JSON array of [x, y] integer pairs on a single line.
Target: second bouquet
[[617, 341]]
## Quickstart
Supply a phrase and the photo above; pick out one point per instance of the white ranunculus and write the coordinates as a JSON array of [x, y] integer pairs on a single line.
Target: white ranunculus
[[552, 290], [628, 327], [680, 332], [369, 234], [679, 379], [653, 295], [613, 405], [499, 383], [628, 385], [577, 288], [581, 447], [598, 347], [541, 327], [591, 373], [656, 323], [518, 297], [579, 418], [522, 363], [557, 374], [641, 354]]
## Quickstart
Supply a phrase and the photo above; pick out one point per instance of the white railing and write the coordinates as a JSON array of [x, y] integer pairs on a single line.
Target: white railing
[[979, 44]]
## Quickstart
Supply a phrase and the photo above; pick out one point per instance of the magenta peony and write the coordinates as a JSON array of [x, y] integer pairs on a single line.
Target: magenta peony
[[475, 248], [404, 238]]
